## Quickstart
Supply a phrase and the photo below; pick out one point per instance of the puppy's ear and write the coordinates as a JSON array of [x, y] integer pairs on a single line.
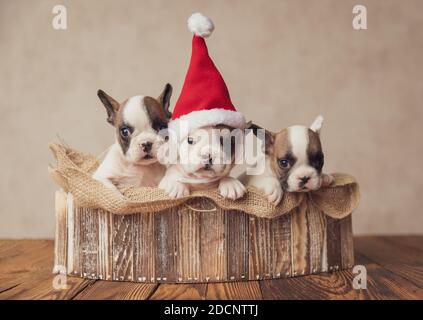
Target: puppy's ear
[[316, 126], [164, 99], [111, 105], [268, 136], [251, 125], [268, 142]]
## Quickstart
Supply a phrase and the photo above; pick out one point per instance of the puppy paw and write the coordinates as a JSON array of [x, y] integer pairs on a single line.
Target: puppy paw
[[327, 180], [231, 188], [274, 194], [271, 188], [174, 189]]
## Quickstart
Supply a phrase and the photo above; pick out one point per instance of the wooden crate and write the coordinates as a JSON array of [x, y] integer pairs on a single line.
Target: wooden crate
[[197, 242]]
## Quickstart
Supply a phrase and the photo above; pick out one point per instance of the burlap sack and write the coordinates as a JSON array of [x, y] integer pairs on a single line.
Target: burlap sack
[[74, 170]]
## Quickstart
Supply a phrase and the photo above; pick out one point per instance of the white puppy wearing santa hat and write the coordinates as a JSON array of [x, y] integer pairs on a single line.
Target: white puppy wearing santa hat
[[205, 130]]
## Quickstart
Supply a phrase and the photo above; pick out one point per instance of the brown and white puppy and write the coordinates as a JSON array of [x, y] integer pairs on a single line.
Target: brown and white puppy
[[203, 160], [131, 160], [294, 162]]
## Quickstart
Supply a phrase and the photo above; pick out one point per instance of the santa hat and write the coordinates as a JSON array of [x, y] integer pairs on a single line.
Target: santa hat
[[204, 99]]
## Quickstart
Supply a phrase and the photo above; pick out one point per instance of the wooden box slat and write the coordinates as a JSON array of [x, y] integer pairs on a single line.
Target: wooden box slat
[[281, 251], [347, 245], [213, 246], [89, 234], [333, 243], [165, 225], [188, 242], [237, 244], [317, 242], [198, 242], [144, 248], [122, 245], [261, 248], [300, 241], [105, 245], [61, 235]]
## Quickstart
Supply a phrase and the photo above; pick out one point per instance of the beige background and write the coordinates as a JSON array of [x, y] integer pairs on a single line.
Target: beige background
[[284, 62]]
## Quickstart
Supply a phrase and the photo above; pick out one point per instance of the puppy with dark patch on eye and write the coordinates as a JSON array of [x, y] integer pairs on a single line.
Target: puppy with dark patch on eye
[[293, 161], [131, 160]]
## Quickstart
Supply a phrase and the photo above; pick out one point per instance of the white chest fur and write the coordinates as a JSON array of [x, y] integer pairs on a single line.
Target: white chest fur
[[116, 170]]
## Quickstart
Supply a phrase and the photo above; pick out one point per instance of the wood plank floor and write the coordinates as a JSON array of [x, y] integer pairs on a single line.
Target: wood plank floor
[[394, 271]]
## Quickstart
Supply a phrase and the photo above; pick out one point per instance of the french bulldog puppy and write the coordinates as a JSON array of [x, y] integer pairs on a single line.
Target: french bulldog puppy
[[204, 160], [294, 162], [131, 160]]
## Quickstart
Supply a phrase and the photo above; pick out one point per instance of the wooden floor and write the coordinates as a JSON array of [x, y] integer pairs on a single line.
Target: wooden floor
[[394, 271]]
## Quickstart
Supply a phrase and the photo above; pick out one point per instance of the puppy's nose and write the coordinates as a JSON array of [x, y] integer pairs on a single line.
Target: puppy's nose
[[304, 179], [207, 159], [146, 146]]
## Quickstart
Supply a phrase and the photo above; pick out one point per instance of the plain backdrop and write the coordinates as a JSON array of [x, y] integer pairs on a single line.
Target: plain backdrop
[[284, 61]]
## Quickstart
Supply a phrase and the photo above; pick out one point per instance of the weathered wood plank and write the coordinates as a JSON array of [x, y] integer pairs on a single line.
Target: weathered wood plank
[[21, 260], [381, 284], [112, 290], [247, 290], [383, 252], [333, 243], [404, 261], [347, 245], [41, 288], [31, 255], [281, 233], [180, 291], [123, 247], [105, 245], [261, 246], [300, 240], [31, 262], [72, 242], [325, 286], [61, 236], [89, 243], [165, 265], [144, 251], [23, 265], [317, 240], [76, 242], [237, 239], [188, 241], [213, 246]]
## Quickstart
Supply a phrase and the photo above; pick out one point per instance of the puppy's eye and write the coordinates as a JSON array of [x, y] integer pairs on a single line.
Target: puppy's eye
[[283, 163], [317, 160], [190, 140], [124, 131]]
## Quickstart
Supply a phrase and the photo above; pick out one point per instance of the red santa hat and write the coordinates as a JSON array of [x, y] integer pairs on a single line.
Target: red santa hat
[[204, 99]]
